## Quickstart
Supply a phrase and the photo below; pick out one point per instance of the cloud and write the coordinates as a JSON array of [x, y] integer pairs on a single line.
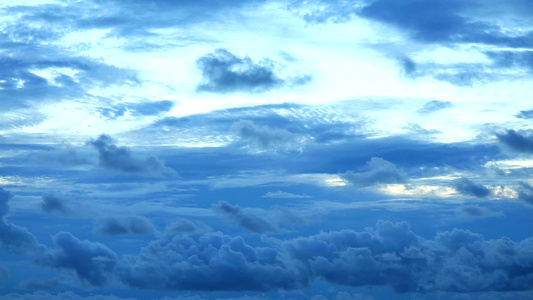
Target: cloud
[[475, 211], [225, 72], [525, 114], [55, 204], [434, 105], [15, 239], [466, 186], [148, 108], [284, 195], [265, 137], [92, 262], [516, 141], [378, 171], [526, 193], [184, 226], [118, 158], [512, 59], [209, 262], [392, 255], [243, 218], [124, 225]]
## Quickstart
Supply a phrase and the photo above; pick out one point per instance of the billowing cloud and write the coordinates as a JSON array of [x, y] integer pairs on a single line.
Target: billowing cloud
[[392, 255], [92, 262], [124, 225], [466, 186], [378, 171], [210, 262], [225, 72], [243, 218], [119, 158]]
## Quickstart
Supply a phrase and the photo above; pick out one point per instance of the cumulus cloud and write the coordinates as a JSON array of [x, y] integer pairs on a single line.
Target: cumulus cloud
[[210, 262], [55, 204], [378, 171], [516, 141], [392, 255], [466, 186], [124, 225], [121, 159], [92, 262], [225, 72], [243, 218]]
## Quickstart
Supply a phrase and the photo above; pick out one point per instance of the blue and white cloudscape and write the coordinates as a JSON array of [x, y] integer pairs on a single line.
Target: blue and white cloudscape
[[266, 149]]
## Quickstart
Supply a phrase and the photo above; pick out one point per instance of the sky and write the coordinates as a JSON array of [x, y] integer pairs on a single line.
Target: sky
[[266, 149]]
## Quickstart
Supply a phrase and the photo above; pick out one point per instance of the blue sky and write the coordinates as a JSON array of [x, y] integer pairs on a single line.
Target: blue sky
[[263, 149]]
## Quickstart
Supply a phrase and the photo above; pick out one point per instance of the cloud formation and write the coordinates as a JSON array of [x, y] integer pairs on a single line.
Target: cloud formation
[[121, 159], [210, 262], [466, 186], [378, 171], [242, 218], [92, 262], [124, 225], [516, 141], [223, 72]]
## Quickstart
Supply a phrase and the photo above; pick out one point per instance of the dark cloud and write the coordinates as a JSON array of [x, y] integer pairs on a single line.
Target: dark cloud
[[210, 262], [437, 21], [516, 141], [466, 186], [92, 262], [118, 158], [476, 211], [392, 255], [124, 225], [184, 226], [225, 72], [243, 218], [377, 171], [55, 204]]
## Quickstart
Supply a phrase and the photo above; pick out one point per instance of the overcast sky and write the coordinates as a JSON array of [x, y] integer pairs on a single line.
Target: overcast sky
[[264, 149]]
